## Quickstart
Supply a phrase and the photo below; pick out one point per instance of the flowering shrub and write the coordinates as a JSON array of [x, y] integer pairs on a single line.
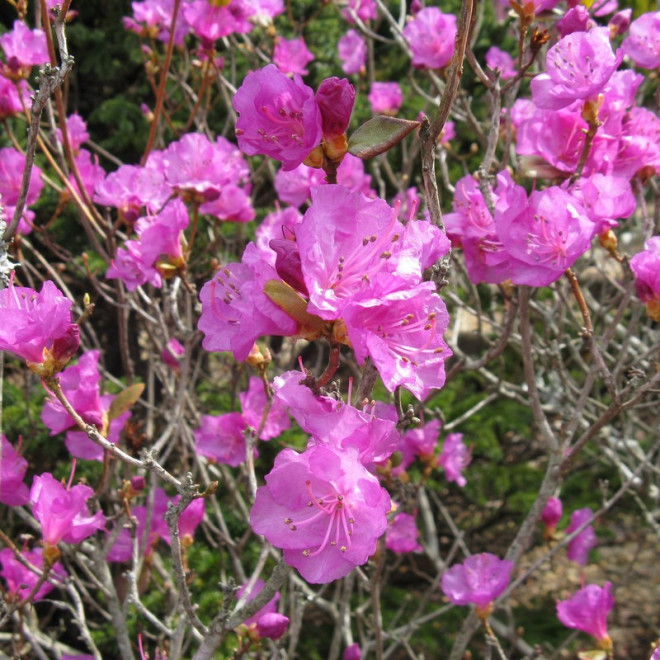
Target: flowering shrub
[[314, 320]]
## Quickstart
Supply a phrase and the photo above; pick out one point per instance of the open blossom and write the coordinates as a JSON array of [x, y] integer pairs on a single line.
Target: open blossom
[[386, 98], [420, 441], [364, 9], [577, 67], [278, 117], [431, 36], [587, 611], [292, 55], [154, 18], [13, 492], [578, 549], [23, 49], [455, 457], [221, 438], [254, 403], [20, 580], [552, 512], [324, 509], [62, 511], [480, 579], [646, 266], [500, 60], [402, 535], [189, 521], [352, 50], [642, 44], [12, 164], [37, 326]]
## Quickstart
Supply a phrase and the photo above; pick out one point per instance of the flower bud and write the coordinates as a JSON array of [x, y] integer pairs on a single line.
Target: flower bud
[[272, 625], [287, 263], [138, 483], [335, 98], [353, 652]]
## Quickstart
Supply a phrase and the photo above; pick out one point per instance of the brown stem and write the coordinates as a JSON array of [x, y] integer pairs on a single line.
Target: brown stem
[[333, 364]]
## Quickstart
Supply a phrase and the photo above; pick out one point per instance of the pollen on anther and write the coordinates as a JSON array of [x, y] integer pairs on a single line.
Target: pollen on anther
[[351, 520], [293, 528], [306, 553], [343, 548], [288, 521], [310, 503]]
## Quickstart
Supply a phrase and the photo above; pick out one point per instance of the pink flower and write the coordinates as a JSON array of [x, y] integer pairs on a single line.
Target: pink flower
[[642, 44], [587, 611], [576, 19], [544, 237], [352, 50], [431, 36], [253, 403], [323, 509], [221, 438], [278, 117], [13, 492], [189, 521], [21, 580], [352, 652], [62, 511], [480, 579], [12, 164], [421, 442], [552, 512], [235, 309], [272, 626], [646, 266], [37, 326], [13, 97], [455, 457], [76, 130], [402, 535], [279, 224], [578, 549], [209, 22], [152, 16], [269, 608], [23, 49], [335, 98], [292, 55], [386, 98], [172, 353], [500, 60], [365, 10], [578, 67]]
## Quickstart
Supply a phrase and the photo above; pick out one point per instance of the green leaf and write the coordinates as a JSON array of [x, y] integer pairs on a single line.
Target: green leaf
[[124, 400], [379, 135]]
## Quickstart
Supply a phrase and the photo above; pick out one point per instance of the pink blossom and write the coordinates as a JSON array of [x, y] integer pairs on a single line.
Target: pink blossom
[[365, 10], [130, 266], [339, 530], [402, 535], [189, 521], [269, 608], [37, 326], [576, 19], [12, 164], [639, 146], [278, 224], [577, 67], [431, 36], [278, 117], [587, 611], [545, 237], [421, 442], [235, 309], [221, 438], [620, 22], [23, 49], [13, 492], [209, 22], [656, 654], [172, 353], [642, 44], [254, 402], [386, 98], [21, 580], [91, 173], [480, 579], [500, 60], [352, 652], [13, 97], [552, 512], [152, 16], [335, 98], [62, 511], [455, 457], [402, 333], [292, 55], [77, 133], [578, 549], [352, 50], [646, 266]]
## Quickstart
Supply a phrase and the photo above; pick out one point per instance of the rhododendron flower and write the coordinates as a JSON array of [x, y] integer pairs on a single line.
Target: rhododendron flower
[[386, 98], [13, 492], [352, 50], [253, 404], [172, 353], [221, 438], [646, 266], [545, 237], [480, 579], [76, 128], [37, 326], [272, 626], [324, 509], [235, 309], [23, 49], [642, 44], [269, 608], [12, 164], [577, 67], [335, 98], [352, 652], [578, 549], [431, 36], [421, 442], [21, 580], [292, 55], [552, 512], [189, 521], [62, 511], [278, 117], [576, 19], [13, 97], [364, 9], [587, 611], [402, 535], [154, 18], [210, 22], [278, 225], [500, 60], [81, 386], [455, 457]]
